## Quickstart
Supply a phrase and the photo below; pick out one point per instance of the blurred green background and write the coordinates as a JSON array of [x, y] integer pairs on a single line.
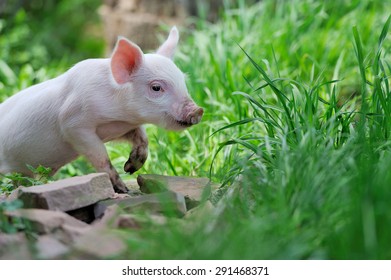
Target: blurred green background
[[40, 32]]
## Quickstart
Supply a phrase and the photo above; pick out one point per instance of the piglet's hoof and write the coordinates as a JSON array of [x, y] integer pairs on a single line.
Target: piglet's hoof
[[132, 165], [120, 187], [129, 167], [136, 160]]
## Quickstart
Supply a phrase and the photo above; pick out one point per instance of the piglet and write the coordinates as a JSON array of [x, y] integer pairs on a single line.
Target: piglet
[[96, 101]]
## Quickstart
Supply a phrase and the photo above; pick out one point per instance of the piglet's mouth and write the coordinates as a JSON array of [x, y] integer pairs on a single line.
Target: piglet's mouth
[[174, 122], [191, 119], [184, 123]]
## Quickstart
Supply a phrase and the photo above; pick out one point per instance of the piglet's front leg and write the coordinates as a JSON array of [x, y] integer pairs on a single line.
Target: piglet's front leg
[[139, 152], [118, 185], [86, 142]]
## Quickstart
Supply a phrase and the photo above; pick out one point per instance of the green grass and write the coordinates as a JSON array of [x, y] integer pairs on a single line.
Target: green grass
[[296, 96], [296, 128]]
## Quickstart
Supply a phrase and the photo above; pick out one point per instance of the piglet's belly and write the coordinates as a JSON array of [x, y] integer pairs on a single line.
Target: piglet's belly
[[15, 158], [113, 130]]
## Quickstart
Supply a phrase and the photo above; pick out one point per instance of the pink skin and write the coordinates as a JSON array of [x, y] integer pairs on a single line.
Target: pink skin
[[96, 101], [165, 86]]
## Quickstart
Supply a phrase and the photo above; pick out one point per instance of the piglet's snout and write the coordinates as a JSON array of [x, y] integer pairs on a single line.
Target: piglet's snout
[[195, 116]]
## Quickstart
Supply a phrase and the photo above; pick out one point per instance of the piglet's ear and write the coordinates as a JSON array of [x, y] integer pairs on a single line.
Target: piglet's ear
[[168, 47], [125, 60]]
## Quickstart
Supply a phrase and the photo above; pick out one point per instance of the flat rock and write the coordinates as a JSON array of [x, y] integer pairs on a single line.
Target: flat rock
[[48, 247], [191, 188], [100, 244], [128, 221], [47, 221], [68, 234], [138, 221], [115, 218], [68, 194], [14, 247], [168, 203], [204, 210]]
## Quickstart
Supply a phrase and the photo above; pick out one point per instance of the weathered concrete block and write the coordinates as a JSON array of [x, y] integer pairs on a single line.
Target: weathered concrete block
[[68, 194]]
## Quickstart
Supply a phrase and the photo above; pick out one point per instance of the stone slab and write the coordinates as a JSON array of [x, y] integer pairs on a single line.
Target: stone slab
[[114, 217], [14, 247], [48, 247], [166, 202], [191, 188], [68, 194], [46, 221], [99, 244]]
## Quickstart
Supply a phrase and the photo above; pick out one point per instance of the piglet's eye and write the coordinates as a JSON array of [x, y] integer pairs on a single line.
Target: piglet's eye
[[156, 87]]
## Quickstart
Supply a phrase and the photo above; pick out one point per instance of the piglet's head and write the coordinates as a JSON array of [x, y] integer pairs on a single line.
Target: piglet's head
[[154, 88]]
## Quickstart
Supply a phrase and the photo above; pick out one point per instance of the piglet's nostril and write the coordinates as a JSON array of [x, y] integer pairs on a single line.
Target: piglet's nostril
[[195, 116], [199, 112]]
